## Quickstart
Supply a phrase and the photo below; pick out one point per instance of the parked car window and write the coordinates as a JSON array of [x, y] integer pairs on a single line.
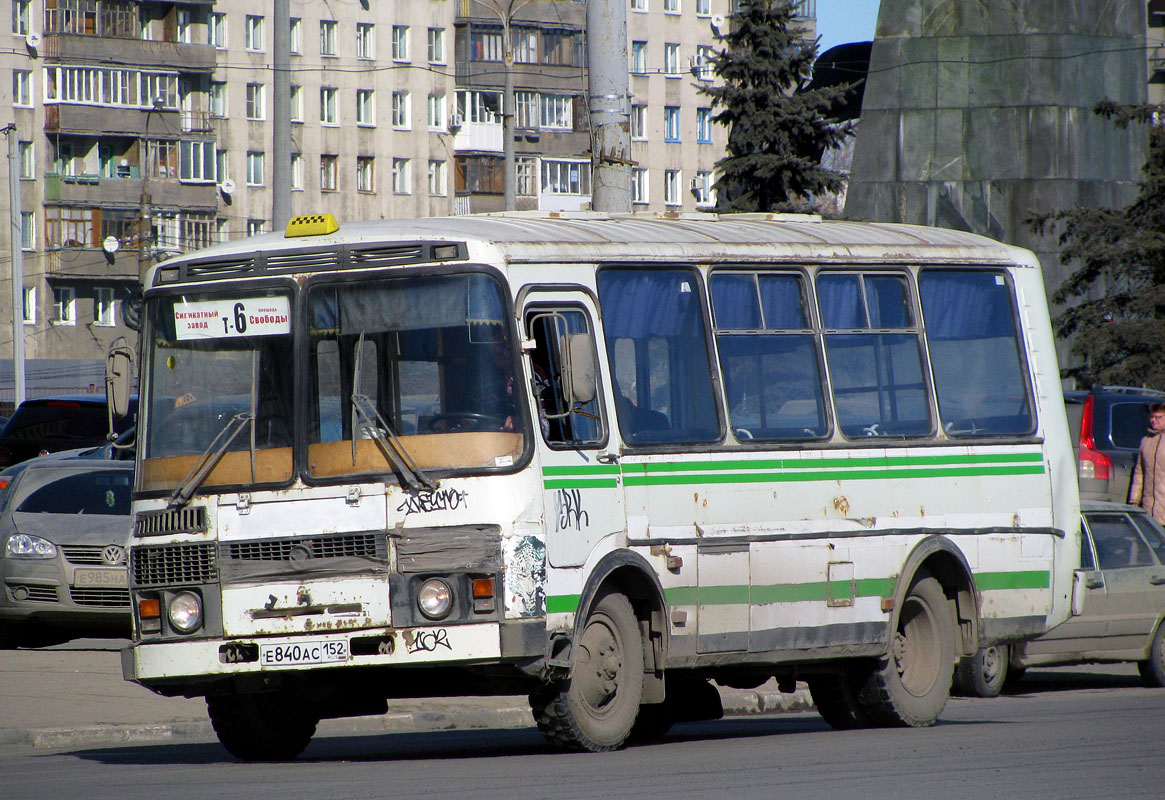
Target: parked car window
[[1118, 542], [1128, 423], [1086, 559], [96, 492], [1152, 533]]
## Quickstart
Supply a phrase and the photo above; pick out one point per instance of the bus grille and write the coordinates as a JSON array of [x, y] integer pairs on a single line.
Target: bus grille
[[365, 545], [191, 519], [168, 565]]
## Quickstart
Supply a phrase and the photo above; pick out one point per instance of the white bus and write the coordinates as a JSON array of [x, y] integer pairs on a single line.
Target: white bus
[[603, 460]]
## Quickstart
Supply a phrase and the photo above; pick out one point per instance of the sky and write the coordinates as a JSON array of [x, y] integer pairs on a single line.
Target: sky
[[841, 21]]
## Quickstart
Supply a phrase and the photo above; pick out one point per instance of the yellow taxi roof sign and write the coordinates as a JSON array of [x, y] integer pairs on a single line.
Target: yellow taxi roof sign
[[311, 225]]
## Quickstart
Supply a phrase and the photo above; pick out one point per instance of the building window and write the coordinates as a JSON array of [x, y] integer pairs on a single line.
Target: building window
[[20, 17], [480, 107], [218, 30], [702, 188], [671, 6], [400, 176], [639, 58], [296, 103], [671, 59], [256, 108], [563, 47], [103, 306], [400, 42], [254, 33], [221, 162], [437, 178], [327, 37], [295, 33], [365, 174], [27, 230], [436, 111], [703, 69], [185, 24], [526, 110], [524, 184], [671, 187], [485, 44], [566, 177], [437, 46], [558, 111], [638, 122], [297, 172], [525, 42], [328, 114], [255, 168], [218, 99], [671, 123], [27, 160], [365, 43], [196, 161], [638, 185], [365, 114], [22, 88], [400, 110], [161, 159], [479, 174], [638, 5], [29, 305], [329, 181], [704, 125], [64, 305], [255, 227], [703, 8]]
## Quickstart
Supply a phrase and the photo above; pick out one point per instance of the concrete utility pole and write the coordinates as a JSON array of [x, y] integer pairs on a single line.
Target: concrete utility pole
[[609, 104], [281, 118], [15, 237]]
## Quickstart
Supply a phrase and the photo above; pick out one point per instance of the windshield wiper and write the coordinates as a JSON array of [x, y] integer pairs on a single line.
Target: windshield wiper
[[209, 460], [375, 426]]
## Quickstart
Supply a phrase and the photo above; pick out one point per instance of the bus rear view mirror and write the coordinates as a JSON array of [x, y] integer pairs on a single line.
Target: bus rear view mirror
[[578, 368], [118, 377]]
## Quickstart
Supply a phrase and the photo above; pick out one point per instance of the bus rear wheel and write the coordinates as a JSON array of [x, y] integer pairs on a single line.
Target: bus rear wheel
[[912, 683], [595, 708], [261, 727]]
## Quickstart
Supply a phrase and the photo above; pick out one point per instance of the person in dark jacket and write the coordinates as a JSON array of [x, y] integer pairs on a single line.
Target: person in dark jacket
[[1148, 487]]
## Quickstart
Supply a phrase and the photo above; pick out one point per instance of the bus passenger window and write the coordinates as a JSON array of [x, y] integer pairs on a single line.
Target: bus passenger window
[[975, 352], [655, 317], [768, 356]]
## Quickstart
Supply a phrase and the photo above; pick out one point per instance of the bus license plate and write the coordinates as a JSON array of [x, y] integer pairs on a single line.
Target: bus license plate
[[100, 577], [296, 653]]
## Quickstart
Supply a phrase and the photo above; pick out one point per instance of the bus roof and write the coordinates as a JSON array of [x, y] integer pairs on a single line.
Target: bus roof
[[538, 236]]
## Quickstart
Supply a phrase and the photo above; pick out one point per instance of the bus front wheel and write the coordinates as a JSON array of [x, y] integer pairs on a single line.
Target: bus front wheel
[[912, 683], [261, 727], [595, 708]]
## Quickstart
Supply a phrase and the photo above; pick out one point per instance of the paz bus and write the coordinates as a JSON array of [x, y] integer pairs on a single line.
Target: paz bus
[[607, 461]]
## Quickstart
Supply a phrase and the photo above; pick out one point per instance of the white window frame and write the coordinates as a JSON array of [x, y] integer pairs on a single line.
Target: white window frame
[[639, 186], [527, 110], [64, 306], [672, 183], [253, 30], [196, 161], [22, 88], [28, 230], [365, 40], [104, 300], [557, 111], [329, 172], [400, 176], [329, 106], [297, 172], [217, 99], [27, 152], [256, 167], [400, 42], [639, 122], [566, 177], [328, 38], [702, 184], [703, 66], [436, 45], [671, 6], [365, 108], [703, 8], [525, 176], [524, 40], [296, 102], [256, 227], [256, 102], [217, 34], [21, 17], [671, 123], [436, 112], [639, 58], [438, 186], [639, 5], [295, 36], [671, 59], [401, 110], [366, 174], [28, 298]]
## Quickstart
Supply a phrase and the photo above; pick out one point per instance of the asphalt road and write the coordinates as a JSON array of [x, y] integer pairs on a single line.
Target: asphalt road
[[1069, 734]]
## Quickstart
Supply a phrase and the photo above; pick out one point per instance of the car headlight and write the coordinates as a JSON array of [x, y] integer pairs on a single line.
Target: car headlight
[[24, 546], [435, 598], [185, 612]]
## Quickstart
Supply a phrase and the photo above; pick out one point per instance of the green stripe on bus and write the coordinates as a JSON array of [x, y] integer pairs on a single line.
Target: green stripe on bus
[[562, 603], [829, 475], [582, 483], [1033, 579], [818, 463], [597, 469]]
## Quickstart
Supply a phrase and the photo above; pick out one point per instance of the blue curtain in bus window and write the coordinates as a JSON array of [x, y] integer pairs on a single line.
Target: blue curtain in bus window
[[887, 302], [839, 296], [657, 347], [976, 355], [734, 302], [783, 302]]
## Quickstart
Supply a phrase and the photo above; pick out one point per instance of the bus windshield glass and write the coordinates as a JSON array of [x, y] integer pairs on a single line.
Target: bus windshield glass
[[211, 359], [434, 359]]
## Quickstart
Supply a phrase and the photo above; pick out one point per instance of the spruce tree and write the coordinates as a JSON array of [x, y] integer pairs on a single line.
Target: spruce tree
[[1117, 286], [777, 126]]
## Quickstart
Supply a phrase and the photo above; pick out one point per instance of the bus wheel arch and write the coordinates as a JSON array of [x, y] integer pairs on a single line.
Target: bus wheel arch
[[938, 556]]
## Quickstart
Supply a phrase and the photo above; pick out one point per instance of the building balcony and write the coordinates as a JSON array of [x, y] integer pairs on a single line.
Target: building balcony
[[478, 137], [94, 191], [169, 56], [99, 120]]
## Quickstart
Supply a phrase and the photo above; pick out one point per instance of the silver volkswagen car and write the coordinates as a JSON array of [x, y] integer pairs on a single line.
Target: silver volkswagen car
[[1119, 592], [64, 524]]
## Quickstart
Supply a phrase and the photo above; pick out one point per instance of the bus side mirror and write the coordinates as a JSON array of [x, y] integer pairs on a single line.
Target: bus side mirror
[[118, 377], [578, 369]]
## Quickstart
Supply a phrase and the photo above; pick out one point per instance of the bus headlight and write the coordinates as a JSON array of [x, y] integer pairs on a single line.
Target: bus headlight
[[185, 612], [435, 598]]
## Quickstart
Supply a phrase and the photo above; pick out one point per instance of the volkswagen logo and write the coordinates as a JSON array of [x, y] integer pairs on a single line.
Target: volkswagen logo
[[113, 555]]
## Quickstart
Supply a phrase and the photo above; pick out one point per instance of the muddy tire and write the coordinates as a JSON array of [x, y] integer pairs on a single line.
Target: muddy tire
[[1153, 670], [911, 684], [595, 708], [261, 727], [836, 698], [983, 674]]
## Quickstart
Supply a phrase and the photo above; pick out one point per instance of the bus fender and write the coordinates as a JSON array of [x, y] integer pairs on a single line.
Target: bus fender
[[939, 556]]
